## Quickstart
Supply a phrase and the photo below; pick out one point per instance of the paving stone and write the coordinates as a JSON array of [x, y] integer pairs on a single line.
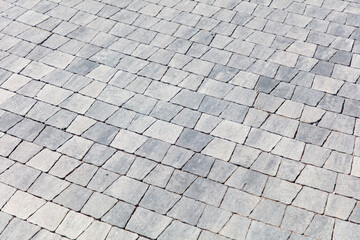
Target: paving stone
[[18, 228], [339, 206], [180, 181], [213, 219], [73, 197], [346, 185], [97, 230], [178, 230], [73, 224], [219, 148], [199, 165], [45, 234], [328, 178], [49, 216], [269, 212], [159, 200], [98, 154], [164, 131], [296, 219], [141, 168], [116, 233], [312, 134], [83, 174], [119, 215], [62, 167], [187, 210], [24, 151], [102, 180], [321, 227], [339, 162], [52, 138], [101, 133], [239, 202], [244, 155], [311, 199], [262, 139], [19, 176], [127, 189], [346, 229], [289, 170], [207, 191], [259, 231], [47, 186], [267, 163], [153, 149], [285, 193], [141, 216], [22, 205], [159, 176], [340, 142]]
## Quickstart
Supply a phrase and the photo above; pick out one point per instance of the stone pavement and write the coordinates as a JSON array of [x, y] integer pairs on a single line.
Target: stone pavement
[[179, 119]]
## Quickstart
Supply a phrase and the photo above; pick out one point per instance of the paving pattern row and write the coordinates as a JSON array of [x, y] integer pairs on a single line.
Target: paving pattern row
[[179, 119]]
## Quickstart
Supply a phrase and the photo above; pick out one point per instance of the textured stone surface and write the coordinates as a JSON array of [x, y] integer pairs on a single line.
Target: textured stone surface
[[179, 119]]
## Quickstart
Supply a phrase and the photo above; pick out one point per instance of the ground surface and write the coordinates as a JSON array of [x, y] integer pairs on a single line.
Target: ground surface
[[170, 119]]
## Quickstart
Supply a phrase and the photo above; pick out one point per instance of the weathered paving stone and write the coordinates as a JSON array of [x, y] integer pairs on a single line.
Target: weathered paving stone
[[311, 199], [260, 230], [119, 214], [206, 191], [19, 176], [49, 216], [141, 219], [187, 210]]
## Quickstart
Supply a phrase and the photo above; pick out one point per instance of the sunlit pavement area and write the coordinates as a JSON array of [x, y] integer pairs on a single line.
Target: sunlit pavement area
[[179, 119]]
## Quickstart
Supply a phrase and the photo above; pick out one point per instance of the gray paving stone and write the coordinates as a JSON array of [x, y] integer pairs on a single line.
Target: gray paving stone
[[262, 139], [159, 200], [47, 186], [141, 216], [346, 229], [101, 133], [207, 191], [239, 202], [285, 191], [347, 186], [153, 149], [247, 180], [73, 197], [311, 199], [24, 151], [187, 210], [199, 165], [321, 227], [102, 180], [49, 216], [98, 154], [261, 231], [340, 142], [179, 230], [339, 162], [73, 224], [22, 205], [119, 214], [328, 178], [19, 176], [269, 212], [116, 233], [312, 134], [180, 181], [62, 167], [83, 174], [141, 168], [127, 189], [19, 229], [296, 219]]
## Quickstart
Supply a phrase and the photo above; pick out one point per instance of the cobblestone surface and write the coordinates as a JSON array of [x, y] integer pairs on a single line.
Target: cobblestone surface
[[179, 119]]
